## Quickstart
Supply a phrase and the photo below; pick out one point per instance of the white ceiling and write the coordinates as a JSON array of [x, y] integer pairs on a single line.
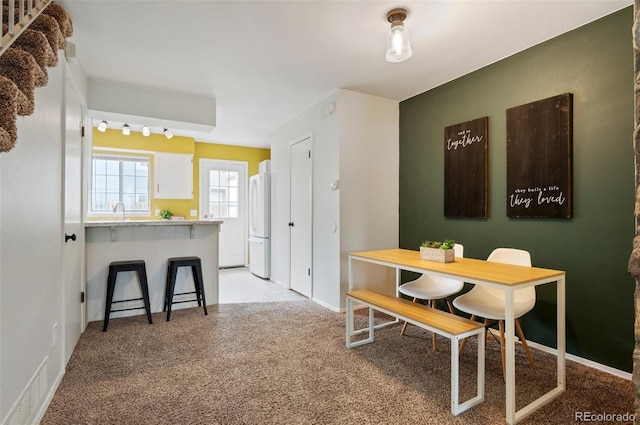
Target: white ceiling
[[265, 62]]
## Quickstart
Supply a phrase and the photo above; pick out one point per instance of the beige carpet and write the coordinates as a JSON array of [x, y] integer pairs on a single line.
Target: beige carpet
[[286, 363]]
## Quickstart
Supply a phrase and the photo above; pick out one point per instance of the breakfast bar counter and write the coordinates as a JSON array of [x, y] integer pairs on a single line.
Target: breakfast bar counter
[[153, 241]]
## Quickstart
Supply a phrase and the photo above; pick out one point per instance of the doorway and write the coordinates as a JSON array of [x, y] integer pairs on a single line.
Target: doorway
[[223, 188], [300, 224]]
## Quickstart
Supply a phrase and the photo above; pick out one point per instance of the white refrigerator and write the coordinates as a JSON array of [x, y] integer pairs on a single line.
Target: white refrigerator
[[260, 223]]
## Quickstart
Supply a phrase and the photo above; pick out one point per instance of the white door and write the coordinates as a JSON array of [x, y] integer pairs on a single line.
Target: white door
[[222, 197], [74, 235], [300, 217]]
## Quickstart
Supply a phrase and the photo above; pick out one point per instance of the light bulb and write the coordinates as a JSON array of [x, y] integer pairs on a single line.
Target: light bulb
[[398, 44]]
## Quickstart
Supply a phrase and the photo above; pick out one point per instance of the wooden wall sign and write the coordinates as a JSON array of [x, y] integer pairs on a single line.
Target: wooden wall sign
[[539, 158], [465, 169]]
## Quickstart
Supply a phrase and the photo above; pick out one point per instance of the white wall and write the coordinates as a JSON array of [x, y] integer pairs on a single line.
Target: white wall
[[369, 172], [357, 144], [31, 246], [324, 130]]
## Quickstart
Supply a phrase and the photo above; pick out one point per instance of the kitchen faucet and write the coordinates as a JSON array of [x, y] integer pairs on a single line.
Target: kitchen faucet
[[120, 206]]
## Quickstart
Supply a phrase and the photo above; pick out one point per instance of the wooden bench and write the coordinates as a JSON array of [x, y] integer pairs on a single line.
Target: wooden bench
[[446, 324]]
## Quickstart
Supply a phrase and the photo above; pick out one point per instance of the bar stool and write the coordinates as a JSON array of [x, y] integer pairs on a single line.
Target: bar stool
[[126, 266], [196, 270]]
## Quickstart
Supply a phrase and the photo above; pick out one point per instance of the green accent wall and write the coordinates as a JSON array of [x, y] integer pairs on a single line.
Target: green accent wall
[[595, 63]]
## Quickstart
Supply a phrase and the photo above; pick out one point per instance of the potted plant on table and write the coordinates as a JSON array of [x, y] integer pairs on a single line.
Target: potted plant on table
[[442, 252]]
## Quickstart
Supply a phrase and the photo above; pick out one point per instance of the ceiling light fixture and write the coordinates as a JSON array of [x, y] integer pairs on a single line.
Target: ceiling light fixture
[[167, 133], [102, 127], [145, 130], [126, 130], [398, 44]]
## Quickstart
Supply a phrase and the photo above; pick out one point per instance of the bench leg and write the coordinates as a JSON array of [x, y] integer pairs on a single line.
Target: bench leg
[[456, 407], [350, 327], [455, 375]]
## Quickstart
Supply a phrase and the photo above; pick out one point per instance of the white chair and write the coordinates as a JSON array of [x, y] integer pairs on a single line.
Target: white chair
[[433, 288], [482, 301]]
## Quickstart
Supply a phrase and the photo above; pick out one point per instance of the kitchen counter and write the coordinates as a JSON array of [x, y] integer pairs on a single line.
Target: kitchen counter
[[120, 223], [113, 224], [154, 241]]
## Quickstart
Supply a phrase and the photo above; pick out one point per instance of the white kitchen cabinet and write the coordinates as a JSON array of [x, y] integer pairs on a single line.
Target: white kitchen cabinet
[[173, 176]]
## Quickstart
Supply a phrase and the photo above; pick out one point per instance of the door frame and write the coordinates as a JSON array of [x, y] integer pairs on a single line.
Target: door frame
[[245, 164], [71, 87]]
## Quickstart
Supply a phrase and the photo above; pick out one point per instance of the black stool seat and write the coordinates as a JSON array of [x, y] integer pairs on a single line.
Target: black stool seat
[[196, 270], [115, 267]]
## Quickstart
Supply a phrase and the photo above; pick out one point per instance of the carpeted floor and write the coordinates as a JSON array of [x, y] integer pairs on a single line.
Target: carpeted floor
[[286, 363]]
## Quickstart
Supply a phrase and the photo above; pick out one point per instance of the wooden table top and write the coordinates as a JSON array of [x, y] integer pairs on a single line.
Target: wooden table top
[[469, 269]]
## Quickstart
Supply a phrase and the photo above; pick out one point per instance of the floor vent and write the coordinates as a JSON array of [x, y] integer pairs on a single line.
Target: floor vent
[[31, 397]]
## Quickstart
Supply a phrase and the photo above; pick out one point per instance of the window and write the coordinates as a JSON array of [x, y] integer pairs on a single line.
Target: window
[[118, 179], [223, 194]]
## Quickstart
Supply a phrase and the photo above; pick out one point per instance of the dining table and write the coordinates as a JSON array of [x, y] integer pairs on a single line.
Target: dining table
[[507, 277]]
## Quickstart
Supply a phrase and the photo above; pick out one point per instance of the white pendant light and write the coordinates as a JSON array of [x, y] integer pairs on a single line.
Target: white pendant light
[[145, 130], [167, 133], [398, 43], [126, 130]]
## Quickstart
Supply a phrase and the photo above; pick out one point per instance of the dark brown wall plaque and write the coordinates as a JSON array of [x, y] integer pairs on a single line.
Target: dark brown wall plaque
[[539, 158], [465, 169]]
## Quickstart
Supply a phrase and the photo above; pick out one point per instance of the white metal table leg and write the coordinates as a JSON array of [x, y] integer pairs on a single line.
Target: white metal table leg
[[561, 333], [510, 357]]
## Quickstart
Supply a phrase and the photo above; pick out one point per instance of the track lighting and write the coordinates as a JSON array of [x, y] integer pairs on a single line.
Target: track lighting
[[167, 133], [398, 44], [102, 127], [145, 130], [126, 130]]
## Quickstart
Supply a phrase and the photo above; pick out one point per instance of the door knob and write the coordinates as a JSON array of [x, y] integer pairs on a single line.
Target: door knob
[[67, 237]]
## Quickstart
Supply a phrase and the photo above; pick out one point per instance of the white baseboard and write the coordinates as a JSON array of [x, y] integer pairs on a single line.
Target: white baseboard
[[590, 363], [283, 284], [45, 404], [279, 283], [572, 357], [325, 305]]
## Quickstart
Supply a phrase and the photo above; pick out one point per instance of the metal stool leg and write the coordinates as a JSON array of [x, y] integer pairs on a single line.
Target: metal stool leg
[[144, 286], [111, 284], [199, 282], [173, 270]]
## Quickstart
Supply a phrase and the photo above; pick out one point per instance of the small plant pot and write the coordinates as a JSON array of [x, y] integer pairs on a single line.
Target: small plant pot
[[437, 254]]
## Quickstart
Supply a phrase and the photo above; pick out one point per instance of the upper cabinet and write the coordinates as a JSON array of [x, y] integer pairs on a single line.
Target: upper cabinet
[[173, 176]]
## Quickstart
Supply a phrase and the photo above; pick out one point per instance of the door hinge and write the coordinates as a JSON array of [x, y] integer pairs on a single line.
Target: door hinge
[[82, 131], [309, 154], [308, 272], [82, 296]]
